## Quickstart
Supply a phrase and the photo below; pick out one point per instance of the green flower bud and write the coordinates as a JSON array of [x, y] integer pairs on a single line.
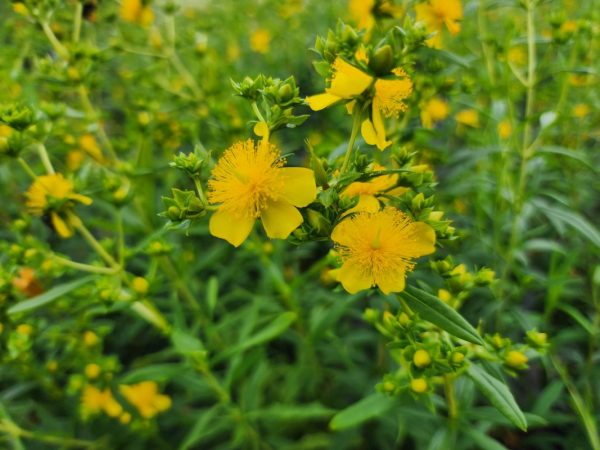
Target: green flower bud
[[382, 61]]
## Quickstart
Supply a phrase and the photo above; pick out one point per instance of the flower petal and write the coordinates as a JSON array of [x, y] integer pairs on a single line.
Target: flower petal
[[393, 281], [379, 126], [422, 239], [300, 187], [353, 278], [280, 218], [61, 227], [366, 203], [348, 81], [321, 101], [228, 226]]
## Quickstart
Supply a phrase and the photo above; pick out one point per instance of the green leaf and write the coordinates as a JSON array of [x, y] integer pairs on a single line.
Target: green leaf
[[369, 407], [271, 331], [292, 413], [570, 153], [212, 294], [483, 441], [48, 296], [498, 394], [570, 218], [186, 344], [440, 314], [206, 424]]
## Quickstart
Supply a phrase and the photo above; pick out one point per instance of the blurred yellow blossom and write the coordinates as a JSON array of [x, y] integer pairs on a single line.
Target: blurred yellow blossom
[[439, 13], [54, 194], [435, 110], [260, 40], [146, 398], [136, 11], [581, 110], [505, 129], [94, 401], [468, 117]]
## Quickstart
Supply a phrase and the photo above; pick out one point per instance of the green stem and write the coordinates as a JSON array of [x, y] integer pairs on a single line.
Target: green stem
[[77, 21], [586, 416], [92, 114], [120, 238], [58, 47], [356, 118], [27, 168], [85, 267], [198, 184], [43, 154], [176, 61], [91, 240], [450, 397], [13, 429]]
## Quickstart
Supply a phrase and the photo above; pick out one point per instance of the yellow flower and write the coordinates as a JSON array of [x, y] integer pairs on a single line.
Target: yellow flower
[[367, 191], [377, 248], [54, 194], [92, 370], [260, 41], [27, 282], [569, 26], [437, 13], [362, 13], [136, 11], [468, 117], [434, 110], [20, 8], [94, 401], [516, 359], [250, 182], [517, 55], [505, 129], [581, 110], [388, 97], [419, 385], [89, 145], [145, 397], [421, 358]]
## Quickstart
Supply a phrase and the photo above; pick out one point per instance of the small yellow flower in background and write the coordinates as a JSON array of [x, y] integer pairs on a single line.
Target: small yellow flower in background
[[516, 359], [54, 194], [90, 338], [378, 248], [581, 110], [505, 129], [5, 130], [517, 56], [92, 370], [348, 82], [367, 191], [20, 8], [136, 11], [250, 182], [27, 282], [418, 385], [146, 398], [439, 13], [435, 110], [140, 285], [569, 26], [468, 117], [421, 358], [75, 159], [444, 295], [89, 145], [260, 40], [25, 329], [94, 401], [361, 12]]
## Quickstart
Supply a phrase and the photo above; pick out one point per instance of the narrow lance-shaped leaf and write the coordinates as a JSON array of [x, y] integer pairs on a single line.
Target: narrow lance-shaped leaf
[[48, 296], [372, 406], [440, 314], [498, 394]]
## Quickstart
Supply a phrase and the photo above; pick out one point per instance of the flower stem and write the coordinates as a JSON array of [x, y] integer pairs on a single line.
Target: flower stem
[[356, 117], [450, 397], [58, 47], [84, 267], [91, 240], [27, 168], [43, 154], [77, 21]]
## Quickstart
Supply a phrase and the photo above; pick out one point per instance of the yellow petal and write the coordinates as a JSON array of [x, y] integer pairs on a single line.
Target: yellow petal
[[453, 26], [81, 199], [340, 233], [61, 226], [366, 203], [280, 218], [350, 106], [300, 187], [227, 226], [391, 282], [422, 240], [379, 127], [321, 101], [348, 81], [353, 278], [371, 137], [261, 129]]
